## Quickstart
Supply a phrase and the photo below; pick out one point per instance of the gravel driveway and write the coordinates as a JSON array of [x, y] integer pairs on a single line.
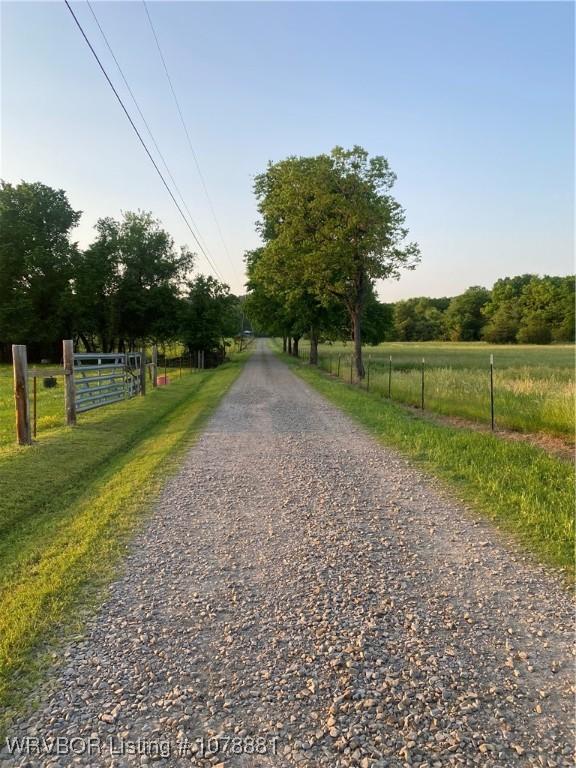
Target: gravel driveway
[[307, 597]]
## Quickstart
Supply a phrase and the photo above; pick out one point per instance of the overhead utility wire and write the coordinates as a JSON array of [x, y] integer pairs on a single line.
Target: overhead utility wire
[[194, 155], [137, 105], [138, 134]]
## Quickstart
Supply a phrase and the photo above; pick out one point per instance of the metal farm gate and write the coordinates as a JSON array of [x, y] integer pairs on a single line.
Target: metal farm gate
[[100, 379]]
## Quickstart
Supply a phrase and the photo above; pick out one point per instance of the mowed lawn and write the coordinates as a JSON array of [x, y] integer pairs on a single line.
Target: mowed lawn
[[533, 385], [69, 502]]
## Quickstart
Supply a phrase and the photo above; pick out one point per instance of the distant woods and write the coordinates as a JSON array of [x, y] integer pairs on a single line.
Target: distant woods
[[131, 286], [527, 309]]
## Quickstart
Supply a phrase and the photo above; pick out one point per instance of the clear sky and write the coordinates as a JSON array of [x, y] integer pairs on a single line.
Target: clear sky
[[471, 102]]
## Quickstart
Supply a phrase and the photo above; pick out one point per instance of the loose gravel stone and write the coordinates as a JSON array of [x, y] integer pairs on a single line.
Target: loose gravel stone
[[301, 584]]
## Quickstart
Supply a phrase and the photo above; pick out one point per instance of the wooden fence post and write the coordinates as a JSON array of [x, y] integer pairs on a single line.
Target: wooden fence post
[[21, 400], [142, 371], [154, 365], [69, 385]]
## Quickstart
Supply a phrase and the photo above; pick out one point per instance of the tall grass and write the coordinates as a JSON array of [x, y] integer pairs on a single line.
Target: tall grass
[[533, 386]]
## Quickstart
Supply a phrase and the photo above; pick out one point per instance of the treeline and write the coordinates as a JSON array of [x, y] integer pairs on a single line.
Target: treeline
[[131, 286], [527, 309]]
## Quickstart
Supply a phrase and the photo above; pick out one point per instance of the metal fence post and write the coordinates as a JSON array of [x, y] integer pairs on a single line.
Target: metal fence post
[[21, 400], [35, 407], [422, 389], [69, 385], [492, 392]]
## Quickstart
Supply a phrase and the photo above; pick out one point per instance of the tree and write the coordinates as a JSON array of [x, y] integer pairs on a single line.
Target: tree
[[332, 219], [211, 314], [130, 280], [36, 266], [420, 319], [464, 319], [503, 312]]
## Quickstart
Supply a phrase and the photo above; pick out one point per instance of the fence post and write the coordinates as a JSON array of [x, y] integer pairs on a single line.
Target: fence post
[[422, 389], [338, 370], [22, 403], [368, 375], [69, 385], [35, 409], [154, 365], [142, 371], [390, 378], [351, 363], [492, 392]]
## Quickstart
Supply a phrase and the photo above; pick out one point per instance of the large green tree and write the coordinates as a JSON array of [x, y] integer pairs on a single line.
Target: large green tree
[[464, 320], [211, 314], [333, 221], [129, 283], [36, 266]]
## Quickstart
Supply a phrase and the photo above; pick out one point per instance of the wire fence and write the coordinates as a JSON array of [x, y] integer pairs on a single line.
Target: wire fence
[[523, 398]]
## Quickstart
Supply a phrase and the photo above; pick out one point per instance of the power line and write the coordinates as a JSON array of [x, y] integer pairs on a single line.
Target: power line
[[138, 134], [137, 105], [194, 155]]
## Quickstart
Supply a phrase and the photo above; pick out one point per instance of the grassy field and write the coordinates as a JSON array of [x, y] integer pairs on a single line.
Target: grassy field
[[533, 385], [525, 491], [68, 503]]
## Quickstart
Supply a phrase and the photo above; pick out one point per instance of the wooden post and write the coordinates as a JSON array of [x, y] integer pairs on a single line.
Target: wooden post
[[69, 385], [154, 365], [368, 375], [20, 365], [142, 371], [390, 378], [338, 370], [351, 362]]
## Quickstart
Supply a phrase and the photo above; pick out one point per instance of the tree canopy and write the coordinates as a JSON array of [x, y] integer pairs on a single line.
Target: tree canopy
[[129, 287]]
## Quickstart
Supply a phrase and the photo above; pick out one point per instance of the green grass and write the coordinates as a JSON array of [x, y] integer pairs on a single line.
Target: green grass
[[534, 385], [50, 403], [69, 503], [521, 488]]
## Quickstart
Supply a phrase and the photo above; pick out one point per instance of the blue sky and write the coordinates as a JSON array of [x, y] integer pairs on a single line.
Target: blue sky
[[472, 104]]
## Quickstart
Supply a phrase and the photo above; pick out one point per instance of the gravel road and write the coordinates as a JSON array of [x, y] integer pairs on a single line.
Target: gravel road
[[310, 599]]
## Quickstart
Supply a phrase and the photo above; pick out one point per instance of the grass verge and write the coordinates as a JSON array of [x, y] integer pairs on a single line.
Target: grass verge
[[68, 506], [520, 487]]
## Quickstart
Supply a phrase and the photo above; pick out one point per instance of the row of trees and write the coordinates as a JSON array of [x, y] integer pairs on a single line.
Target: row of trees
[[330, 228], [526, 309], [129, 287]]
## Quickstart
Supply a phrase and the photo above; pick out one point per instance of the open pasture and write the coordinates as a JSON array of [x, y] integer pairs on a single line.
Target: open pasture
[[533, 385]]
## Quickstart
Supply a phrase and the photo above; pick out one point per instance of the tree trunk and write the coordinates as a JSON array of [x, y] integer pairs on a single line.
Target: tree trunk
[[313, 346], [295, 341], [284, 343], [289, 345], [357, 334]]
